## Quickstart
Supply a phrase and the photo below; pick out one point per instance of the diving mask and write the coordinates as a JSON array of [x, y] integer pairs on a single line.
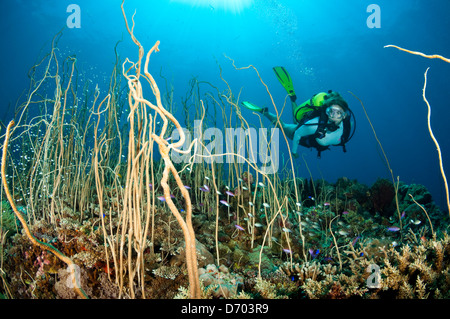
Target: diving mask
[[336, 113]]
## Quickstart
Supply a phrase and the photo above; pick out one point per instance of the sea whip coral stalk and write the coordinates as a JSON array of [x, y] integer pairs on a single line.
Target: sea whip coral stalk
[[136, 94], [441, 166]]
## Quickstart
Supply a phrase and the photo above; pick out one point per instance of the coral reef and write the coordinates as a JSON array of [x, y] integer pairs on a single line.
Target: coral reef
[[409, 262]]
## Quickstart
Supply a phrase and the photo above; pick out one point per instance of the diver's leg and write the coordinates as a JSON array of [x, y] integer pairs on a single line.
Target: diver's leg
[[294, 106], [289, 129]]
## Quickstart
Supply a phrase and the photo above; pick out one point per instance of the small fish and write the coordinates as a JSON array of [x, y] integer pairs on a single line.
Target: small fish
[[287, 251], [187, 187], [168, 139], [326, 204], [239, 227], [343, 233], [287, 230], [261, 184], [161, 198], [150, 186], [207, 178], [344, 212], [298, 204], [393, 229], [218, 193], [224, 202], [250, 203], [403, 215], [355, 240], [182, 210], [206, 187], [244, 188], [229, 193], [394, 244], [250, 215], [241, 180], [266, 205], [258, 225], [416, 222]]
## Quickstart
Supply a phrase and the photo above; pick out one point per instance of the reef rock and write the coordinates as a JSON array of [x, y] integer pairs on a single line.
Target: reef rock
[[204, 257], [223, 283], [382, 194]]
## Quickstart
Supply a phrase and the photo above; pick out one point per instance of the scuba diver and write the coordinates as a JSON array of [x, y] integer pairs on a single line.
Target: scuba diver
[[323, 120]]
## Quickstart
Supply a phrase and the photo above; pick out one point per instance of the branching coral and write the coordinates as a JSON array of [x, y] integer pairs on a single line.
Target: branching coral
[[420, 271]]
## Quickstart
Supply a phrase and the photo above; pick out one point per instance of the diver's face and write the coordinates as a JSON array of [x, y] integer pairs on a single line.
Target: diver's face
[[336, 113]]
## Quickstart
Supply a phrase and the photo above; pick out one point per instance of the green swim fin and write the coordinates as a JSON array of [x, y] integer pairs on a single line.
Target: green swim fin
[[285, 79], [251, 106]]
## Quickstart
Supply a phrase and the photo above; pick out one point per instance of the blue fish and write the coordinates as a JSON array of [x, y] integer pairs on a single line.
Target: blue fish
[[313, 253]]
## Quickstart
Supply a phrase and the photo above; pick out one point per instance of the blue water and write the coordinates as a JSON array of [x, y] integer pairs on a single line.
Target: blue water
[[324, 45]]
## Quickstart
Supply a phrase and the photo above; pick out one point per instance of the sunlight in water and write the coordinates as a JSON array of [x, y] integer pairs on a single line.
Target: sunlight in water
[[235, 6]]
